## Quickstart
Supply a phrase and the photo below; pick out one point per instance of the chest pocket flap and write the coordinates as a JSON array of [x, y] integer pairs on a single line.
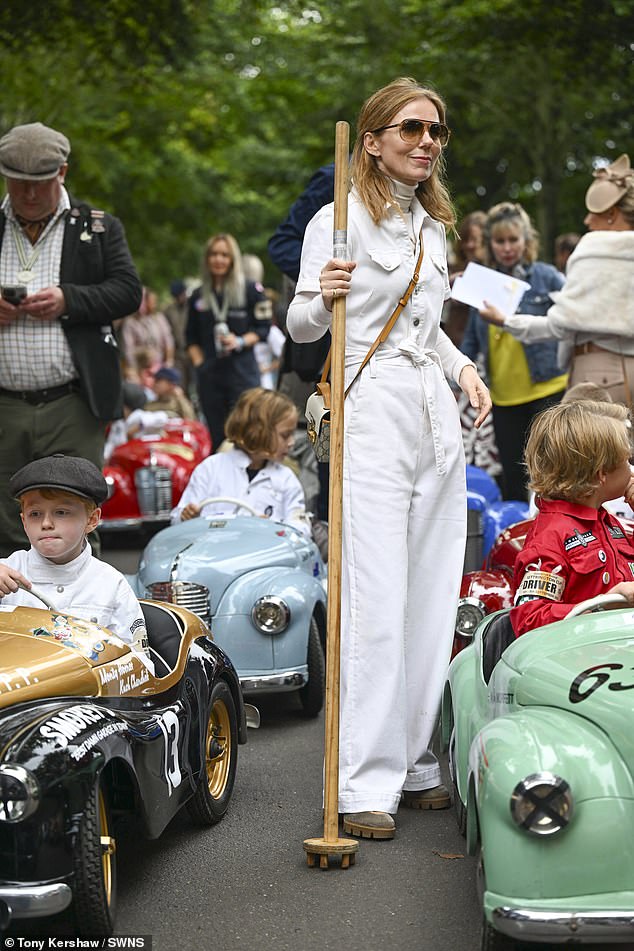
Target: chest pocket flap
[[584, 561], [439, 262], [388, 260]]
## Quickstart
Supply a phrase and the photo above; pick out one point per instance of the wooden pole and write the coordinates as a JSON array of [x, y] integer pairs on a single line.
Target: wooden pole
[[332, 843]]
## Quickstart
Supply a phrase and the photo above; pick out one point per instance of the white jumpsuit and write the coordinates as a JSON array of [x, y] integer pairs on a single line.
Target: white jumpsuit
[[274, 491], [404, 500], [86, 587]]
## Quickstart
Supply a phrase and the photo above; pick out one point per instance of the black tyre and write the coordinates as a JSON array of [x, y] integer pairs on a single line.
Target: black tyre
[[311, 695], [95, 868], [211, 800], [459, 807], [492, 940]]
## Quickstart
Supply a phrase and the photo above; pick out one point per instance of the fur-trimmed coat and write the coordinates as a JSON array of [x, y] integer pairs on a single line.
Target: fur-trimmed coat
[[597, 300]]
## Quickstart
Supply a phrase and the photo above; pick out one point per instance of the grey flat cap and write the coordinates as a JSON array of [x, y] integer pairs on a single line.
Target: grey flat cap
[[33, 152], [67, 473]]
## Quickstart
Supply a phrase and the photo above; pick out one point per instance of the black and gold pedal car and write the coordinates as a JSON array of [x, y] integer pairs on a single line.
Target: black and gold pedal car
[[87, 733]]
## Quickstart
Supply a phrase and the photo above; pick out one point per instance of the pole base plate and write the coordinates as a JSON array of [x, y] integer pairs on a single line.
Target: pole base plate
[[326, 848]]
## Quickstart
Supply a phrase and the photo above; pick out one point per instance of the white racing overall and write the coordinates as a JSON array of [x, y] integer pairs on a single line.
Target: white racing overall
[[404, 502]]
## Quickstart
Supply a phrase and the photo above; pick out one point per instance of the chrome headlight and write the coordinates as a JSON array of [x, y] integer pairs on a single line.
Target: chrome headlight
[[186, 594], [271, 615], [469, 614], [542, 804], [19, 793]]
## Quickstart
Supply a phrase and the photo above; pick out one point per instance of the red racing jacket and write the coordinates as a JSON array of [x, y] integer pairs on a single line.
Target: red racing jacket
[[572, 552]]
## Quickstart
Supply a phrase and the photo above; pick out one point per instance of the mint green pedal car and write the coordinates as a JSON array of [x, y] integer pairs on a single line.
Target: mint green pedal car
[[540, 732]]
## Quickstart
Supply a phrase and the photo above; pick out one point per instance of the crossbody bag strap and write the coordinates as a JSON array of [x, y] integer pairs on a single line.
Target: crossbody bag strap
[[385, 332]]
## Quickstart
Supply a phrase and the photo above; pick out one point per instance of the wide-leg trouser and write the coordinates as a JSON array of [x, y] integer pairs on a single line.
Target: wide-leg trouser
[[404, 530]]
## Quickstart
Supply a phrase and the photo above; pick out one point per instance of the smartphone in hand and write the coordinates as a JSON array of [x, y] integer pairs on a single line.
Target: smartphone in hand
[[14, 293]]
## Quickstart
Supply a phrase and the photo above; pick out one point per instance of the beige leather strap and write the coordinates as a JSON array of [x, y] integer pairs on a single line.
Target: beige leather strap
[[388, 326]]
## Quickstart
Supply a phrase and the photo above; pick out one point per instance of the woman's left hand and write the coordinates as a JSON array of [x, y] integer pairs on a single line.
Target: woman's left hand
[[478, 393], [492, 315], [334, 280]]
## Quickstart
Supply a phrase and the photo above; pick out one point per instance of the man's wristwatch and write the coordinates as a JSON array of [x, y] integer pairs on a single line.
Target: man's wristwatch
[[240, 344]]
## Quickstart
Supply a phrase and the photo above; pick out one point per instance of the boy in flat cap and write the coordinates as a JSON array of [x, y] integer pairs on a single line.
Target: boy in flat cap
[[59, 500], [66, 274]]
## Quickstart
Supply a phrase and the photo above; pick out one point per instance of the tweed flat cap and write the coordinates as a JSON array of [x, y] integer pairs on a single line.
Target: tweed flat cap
[[33, 152], [67, 473]]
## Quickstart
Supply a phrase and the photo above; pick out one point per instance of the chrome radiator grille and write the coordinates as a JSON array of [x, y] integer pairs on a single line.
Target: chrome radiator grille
[[186, 594], [154, 490]]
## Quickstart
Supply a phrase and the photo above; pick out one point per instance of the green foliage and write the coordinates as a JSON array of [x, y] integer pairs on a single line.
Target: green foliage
[[190, 117]]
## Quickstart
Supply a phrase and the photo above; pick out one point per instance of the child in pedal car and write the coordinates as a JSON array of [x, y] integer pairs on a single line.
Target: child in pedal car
[[577, 456], [59, 498]]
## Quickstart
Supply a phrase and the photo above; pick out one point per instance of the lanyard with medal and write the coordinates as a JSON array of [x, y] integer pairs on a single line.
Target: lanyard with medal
[[27, 261]]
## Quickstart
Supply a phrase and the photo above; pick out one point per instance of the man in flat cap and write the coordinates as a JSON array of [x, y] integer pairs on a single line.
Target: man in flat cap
[[66, 274]]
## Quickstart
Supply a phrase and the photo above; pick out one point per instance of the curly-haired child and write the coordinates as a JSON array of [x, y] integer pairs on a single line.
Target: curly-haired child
[[577, 456]]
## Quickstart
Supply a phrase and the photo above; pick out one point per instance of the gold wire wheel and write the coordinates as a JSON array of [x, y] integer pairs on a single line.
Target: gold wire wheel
[[108, 848], [218, 749]]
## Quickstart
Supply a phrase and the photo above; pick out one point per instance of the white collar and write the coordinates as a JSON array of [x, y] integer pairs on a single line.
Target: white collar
[[44, 570]]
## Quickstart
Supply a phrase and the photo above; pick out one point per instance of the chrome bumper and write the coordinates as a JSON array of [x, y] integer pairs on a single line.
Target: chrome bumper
[[273, 683], [524, 924], [33, 901]]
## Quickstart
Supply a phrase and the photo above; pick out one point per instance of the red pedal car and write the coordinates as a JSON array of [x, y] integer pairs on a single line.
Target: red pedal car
[[147, 476]]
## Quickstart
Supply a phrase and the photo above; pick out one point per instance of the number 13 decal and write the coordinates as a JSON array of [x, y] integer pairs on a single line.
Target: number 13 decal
[[170, 729]]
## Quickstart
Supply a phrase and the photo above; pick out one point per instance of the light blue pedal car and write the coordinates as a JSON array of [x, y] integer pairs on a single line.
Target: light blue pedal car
[[260, 585]]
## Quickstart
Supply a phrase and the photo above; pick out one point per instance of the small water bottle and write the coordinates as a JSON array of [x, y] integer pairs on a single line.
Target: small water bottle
[[221, 330]]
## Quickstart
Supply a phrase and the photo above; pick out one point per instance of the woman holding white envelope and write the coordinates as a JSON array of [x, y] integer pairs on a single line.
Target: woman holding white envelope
[[524, 378], [593, 317]]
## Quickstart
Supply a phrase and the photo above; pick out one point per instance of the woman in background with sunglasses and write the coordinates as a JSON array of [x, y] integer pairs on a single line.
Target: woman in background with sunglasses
[[404, 496]]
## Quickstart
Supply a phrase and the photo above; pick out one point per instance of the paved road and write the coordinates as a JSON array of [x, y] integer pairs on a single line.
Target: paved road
[[244, 885]]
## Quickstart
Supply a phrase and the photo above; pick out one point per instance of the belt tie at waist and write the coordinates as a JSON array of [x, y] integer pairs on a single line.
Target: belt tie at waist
[[425, 359]]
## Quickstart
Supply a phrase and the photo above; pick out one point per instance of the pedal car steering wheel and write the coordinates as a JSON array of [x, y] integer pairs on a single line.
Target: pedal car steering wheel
[[597, 604], [41, 597], [236, 502]]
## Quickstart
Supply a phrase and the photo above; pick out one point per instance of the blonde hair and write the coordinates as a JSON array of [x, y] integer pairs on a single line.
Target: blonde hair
[[507, 214], [50, 493], [252, 421], [373, 185], [569, 444], [235, 283]]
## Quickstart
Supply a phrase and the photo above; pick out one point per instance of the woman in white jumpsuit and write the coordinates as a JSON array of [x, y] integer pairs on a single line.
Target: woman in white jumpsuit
[[404, 495]]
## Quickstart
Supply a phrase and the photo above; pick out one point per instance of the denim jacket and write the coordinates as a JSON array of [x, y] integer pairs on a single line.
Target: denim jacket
[[541, 357]]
